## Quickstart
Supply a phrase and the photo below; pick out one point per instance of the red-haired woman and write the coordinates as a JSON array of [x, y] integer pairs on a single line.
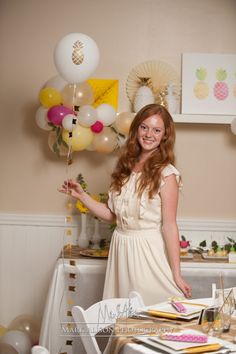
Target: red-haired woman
[[143, 197]]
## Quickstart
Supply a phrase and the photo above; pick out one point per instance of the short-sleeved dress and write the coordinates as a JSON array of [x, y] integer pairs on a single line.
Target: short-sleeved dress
[[137, 257]]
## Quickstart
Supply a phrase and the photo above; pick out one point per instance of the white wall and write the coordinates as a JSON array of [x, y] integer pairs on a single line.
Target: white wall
[[127, 32]]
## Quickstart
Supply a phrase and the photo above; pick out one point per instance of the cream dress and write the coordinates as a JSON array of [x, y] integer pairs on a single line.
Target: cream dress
[[137, 257]]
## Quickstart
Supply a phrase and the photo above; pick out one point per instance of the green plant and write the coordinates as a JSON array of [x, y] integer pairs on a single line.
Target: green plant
[[81, 181], [231, 245], [112, 227], [203, 243]]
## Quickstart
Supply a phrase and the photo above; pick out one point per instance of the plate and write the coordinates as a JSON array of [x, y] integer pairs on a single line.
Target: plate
[[219, 258], [187, 256], [157, 74], [184, 347], [166, 310], [93, 253]]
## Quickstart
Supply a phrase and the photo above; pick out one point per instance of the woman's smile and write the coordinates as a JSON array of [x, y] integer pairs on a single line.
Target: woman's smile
[[151, 132]]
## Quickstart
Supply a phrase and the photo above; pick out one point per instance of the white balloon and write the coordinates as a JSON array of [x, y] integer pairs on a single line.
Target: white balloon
[[69, 122], [56, 82], [233, 126], [41, 118], [76, 57], [38, 349], [18, 340], [87, 115], [106, 114]]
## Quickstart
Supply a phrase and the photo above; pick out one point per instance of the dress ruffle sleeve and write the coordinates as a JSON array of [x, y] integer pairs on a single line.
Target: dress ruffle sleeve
[[170, 170], [110, 201]]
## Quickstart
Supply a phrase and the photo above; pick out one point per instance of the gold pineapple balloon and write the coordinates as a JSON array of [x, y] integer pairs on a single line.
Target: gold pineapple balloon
[[77, 54]]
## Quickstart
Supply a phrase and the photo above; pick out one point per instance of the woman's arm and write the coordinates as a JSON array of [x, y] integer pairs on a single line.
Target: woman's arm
[[100, 210], [169, 199]]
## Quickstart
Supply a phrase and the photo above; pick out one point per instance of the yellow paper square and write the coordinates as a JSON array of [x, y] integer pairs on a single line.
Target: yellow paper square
[[105, 91]]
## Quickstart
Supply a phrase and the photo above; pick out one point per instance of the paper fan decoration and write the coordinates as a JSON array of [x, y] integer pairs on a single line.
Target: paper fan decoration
[[105, 91], [156, 75]]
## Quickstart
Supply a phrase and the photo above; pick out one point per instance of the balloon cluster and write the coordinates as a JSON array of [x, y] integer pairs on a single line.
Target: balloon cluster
[[67, 103], [20, 336]]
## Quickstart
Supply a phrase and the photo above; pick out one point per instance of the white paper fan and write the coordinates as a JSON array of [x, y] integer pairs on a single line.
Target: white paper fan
[[157, 75]]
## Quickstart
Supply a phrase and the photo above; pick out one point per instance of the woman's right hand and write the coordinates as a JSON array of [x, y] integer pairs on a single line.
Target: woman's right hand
[[99, 209], [72, 188]]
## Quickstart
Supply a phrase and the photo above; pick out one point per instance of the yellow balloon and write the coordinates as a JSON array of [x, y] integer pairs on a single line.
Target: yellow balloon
[[77, 95], [49, 97], [81, 137], [106, 141], [3, 330], [123, 122]]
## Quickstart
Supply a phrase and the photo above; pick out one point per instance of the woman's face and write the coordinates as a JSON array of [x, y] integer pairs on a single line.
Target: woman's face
[[150, 133]]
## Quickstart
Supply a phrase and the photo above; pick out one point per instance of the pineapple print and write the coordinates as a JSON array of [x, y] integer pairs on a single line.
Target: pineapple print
[[221, 90], [77, 54], [201, 88]]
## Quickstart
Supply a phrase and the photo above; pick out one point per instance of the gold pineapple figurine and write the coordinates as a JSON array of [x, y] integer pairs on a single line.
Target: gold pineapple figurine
[[162, 98], [77, 54], [145, 81]]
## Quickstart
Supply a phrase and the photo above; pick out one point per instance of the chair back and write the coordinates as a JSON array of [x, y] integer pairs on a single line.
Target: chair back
[[227, 290], [100, 316]]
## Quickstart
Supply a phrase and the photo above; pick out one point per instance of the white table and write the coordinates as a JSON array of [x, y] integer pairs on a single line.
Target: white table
[[133, 348], [88, 285], [87, 288]]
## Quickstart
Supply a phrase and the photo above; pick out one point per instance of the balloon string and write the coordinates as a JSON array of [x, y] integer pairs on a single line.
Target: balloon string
[[67, 245]]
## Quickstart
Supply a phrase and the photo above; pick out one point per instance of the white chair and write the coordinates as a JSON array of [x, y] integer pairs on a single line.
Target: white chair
[[227, 290], [100, 316]]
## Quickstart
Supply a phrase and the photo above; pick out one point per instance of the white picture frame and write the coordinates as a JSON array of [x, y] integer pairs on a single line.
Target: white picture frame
[[208, 84]]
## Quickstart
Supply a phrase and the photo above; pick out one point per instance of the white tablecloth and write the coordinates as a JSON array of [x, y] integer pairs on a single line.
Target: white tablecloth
[[87, 289]]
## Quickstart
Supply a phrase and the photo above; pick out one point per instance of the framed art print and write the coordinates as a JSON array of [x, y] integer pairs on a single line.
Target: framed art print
[[208, 84]]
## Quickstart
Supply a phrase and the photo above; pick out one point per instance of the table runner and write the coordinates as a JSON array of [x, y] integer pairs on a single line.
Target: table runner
[[125, 329]]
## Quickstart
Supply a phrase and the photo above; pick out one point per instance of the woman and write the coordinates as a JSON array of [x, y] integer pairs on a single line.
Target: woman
[[144, 251]]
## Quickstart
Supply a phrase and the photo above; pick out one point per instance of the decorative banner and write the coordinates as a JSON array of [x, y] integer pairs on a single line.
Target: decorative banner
[[105, 91]]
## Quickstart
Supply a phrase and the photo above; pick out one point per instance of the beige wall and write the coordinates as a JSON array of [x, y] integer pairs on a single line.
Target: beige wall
[[127, 33]]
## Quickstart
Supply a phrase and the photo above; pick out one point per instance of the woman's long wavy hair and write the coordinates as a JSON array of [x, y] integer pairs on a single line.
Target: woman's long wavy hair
[[164, 154]]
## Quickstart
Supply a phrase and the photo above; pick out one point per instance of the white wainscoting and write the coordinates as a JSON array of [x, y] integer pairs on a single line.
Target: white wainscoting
[[209, 230], [31, 244]]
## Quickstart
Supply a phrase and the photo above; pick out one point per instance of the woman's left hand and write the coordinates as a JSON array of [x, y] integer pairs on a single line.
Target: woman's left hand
[[184, 286]]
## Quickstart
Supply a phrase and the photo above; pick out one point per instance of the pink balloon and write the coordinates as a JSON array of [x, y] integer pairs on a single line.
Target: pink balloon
[[57, 113], [97, 127]]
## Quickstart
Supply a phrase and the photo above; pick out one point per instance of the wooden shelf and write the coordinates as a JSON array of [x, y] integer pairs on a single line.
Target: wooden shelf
[[203, 118]]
